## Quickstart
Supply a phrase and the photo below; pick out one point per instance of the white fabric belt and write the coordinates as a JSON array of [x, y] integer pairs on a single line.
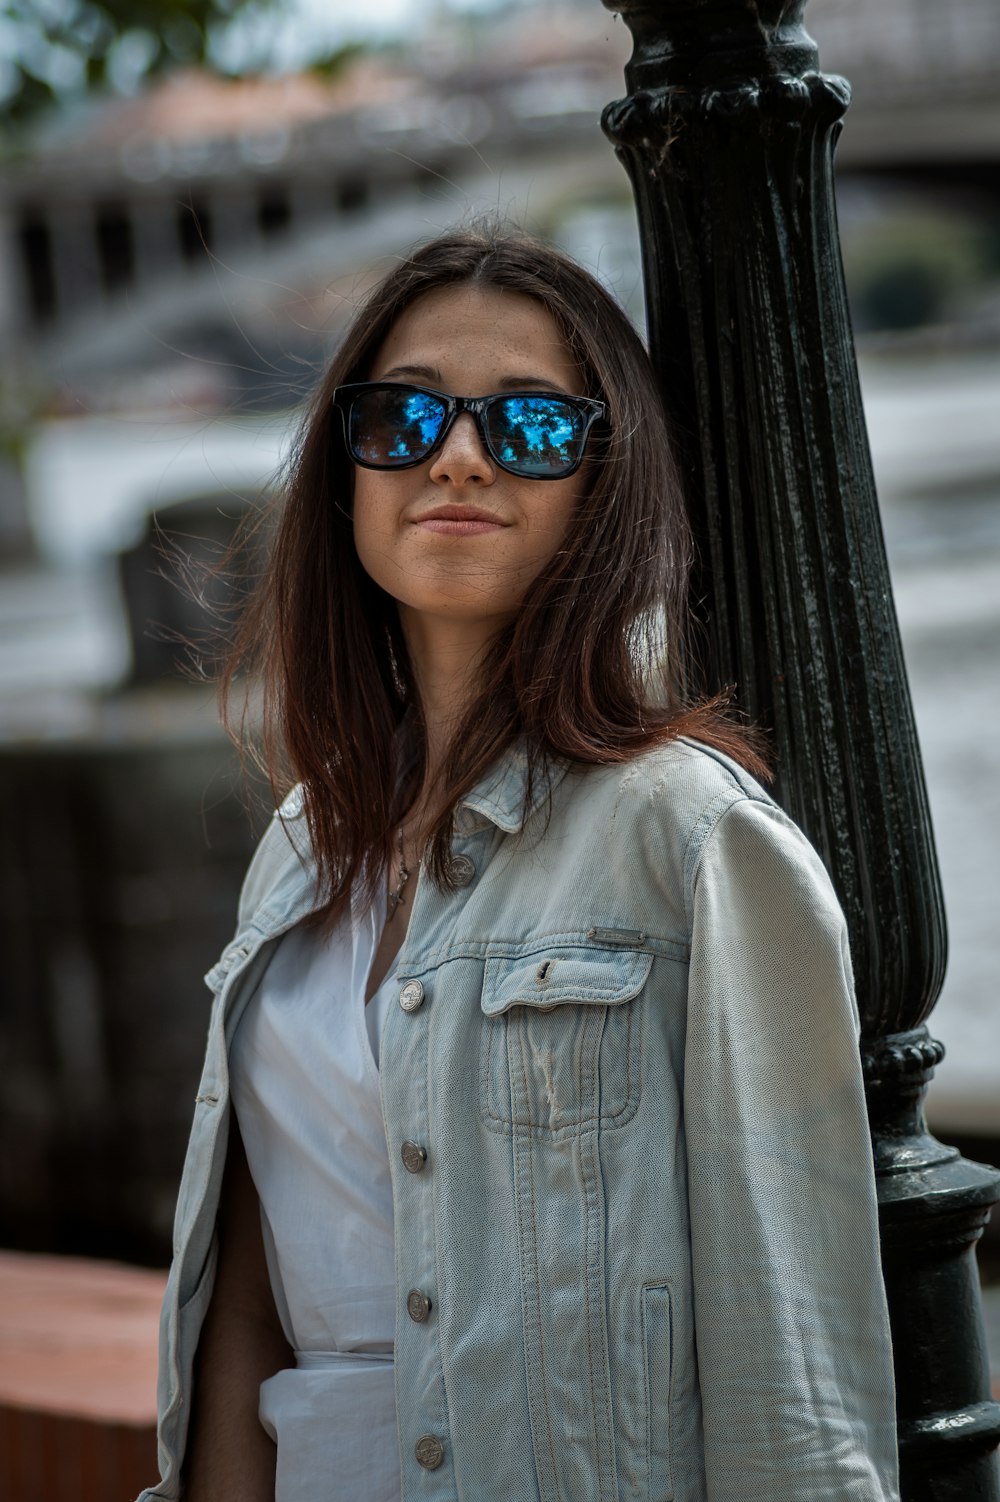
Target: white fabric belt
[[317, 1360]]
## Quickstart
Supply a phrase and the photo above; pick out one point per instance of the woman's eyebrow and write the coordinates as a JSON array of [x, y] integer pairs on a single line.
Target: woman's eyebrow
[[529, 383], [422, 372]]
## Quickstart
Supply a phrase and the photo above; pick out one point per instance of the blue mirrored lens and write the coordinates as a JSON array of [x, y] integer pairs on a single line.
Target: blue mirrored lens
[[395, 425], [536, 435]]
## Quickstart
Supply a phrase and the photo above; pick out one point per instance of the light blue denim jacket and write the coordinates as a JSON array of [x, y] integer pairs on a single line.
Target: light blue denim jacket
[[646, 1223]]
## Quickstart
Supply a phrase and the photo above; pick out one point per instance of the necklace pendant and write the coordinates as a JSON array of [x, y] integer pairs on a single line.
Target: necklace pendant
[[402, 877]]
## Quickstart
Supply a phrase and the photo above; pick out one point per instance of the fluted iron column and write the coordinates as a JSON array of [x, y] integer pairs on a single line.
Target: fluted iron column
[[728, 134]]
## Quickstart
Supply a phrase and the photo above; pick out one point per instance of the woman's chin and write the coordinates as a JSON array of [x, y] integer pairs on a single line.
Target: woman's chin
[[457, 607]]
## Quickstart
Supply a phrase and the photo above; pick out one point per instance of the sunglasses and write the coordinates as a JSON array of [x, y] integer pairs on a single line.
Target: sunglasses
[[534, 434]]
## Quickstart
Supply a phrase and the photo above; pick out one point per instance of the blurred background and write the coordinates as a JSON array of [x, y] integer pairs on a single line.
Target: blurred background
[[193, 195]]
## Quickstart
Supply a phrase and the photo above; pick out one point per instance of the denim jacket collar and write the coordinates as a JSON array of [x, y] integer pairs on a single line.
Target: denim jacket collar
[[499, 796]]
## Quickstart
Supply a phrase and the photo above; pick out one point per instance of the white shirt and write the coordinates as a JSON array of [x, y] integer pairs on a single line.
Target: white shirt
[[305, 1089]]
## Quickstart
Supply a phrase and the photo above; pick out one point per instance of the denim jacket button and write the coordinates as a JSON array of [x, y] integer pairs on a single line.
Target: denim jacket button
[[461, 870], [414, 1157], [411, 996], [418, 1306], [429, 1451]]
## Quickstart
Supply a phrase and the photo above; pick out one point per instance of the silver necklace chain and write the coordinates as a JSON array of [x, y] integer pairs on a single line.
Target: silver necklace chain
[[402, 877]]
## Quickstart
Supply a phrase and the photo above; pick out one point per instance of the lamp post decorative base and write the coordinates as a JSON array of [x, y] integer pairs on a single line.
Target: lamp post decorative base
[[933, 1206]]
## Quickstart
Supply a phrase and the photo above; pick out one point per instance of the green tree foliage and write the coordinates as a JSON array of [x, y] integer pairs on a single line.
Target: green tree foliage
[[915, 266], [51, 48]]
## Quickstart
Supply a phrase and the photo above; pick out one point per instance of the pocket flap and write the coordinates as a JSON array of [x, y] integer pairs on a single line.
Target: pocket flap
[[550, 977]]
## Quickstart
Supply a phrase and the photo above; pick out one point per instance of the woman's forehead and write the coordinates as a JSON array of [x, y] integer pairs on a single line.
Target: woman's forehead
[[482, 329]]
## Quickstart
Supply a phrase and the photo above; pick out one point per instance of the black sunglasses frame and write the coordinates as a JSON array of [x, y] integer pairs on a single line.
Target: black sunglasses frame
[[344, 398]]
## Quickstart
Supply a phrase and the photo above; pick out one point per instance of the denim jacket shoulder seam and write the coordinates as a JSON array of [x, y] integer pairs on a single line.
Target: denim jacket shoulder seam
[[710, 819], [742, 779], [699, 836]]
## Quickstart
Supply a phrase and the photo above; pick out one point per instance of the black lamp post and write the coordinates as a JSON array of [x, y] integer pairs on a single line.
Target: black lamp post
[[727, 134]]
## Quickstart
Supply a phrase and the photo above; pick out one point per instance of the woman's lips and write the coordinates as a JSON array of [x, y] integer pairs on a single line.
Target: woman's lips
[[453, 527], [459, 522]]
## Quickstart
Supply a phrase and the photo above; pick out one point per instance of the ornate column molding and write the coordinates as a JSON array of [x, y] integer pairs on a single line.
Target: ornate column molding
[[728, 135]]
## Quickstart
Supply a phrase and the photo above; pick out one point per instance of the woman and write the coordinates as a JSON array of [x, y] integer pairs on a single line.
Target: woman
[[548, 1174]]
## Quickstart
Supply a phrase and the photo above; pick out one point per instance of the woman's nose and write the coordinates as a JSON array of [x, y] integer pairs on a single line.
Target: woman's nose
[[462, 458]]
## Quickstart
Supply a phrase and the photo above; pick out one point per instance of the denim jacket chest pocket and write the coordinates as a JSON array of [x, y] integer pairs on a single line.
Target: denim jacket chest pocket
[[561, 1041]]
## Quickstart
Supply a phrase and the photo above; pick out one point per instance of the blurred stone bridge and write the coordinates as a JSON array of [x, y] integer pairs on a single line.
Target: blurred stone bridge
[[129, 223], [926, 80]]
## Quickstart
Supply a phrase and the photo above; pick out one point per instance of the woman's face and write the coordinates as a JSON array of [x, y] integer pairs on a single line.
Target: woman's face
[[408, 524]]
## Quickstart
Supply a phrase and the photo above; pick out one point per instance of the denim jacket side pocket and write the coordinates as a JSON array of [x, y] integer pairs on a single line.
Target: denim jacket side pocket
[[657, 1350]]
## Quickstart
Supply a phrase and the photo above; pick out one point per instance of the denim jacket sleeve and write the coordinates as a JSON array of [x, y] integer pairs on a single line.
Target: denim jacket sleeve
[[791, 1326]]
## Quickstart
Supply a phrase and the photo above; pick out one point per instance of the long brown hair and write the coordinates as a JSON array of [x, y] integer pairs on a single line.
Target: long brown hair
[[591, 671]]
